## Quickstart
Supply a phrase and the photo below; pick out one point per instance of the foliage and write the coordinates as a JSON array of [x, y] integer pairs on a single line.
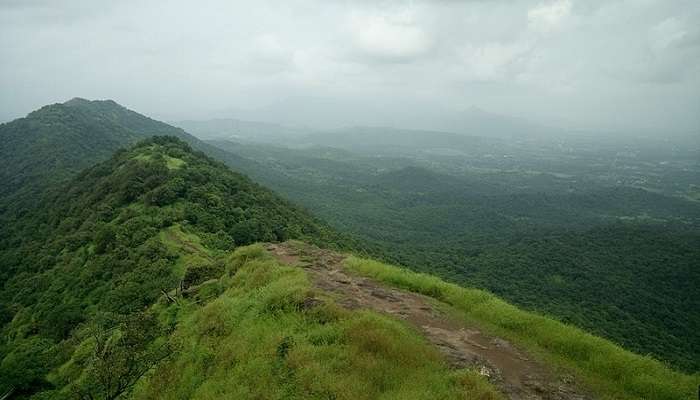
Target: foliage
[[99, 268], [121, 356]]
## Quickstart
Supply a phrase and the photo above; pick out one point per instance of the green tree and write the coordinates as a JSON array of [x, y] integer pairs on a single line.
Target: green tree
[[121, 356]]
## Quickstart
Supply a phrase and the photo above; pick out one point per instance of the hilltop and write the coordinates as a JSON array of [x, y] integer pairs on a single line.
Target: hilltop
[[54, 143], [59, 140]]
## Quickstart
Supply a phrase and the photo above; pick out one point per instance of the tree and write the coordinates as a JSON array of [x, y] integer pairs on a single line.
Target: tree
[[121, 356]]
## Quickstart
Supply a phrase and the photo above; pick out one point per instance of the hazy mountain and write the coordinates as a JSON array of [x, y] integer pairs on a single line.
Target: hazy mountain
[[388, 140], [233, 129], [314, 113], [477, 122]]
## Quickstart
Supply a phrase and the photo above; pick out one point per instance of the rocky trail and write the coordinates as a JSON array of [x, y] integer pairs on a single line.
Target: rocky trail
[[517, 375]]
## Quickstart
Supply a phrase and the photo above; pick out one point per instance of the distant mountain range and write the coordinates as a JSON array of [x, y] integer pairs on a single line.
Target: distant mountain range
[[234, 129], [297, 115]]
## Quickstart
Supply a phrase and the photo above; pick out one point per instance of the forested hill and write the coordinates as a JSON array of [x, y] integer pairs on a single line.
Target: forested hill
[[110, 241], [55, 142]]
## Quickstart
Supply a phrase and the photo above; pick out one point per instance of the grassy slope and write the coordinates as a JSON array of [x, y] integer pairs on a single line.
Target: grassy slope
[[256, 329], [611, 371], [263, 338]]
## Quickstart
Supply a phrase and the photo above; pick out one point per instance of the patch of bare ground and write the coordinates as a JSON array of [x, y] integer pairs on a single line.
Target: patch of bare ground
[[517, 375]]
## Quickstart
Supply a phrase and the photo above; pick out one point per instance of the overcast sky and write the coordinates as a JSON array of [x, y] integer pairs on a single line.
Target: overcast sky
[[593, 64]]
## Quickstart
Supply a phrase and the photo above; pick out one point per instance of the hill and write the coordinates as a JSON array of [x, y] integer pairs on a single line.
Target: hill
[[108, 243], [52, 144], [58, 140]]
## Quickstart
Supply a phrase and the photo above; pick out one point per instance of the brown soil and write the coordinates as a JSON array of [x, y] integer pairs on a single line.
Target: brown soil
[[516, 374]]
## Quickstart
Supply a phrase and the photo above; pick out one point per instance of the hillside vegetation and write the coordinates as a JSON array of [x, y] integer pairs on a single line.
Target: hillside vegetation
[[268, 335], [98, 252], [138, 279], [59, 140]]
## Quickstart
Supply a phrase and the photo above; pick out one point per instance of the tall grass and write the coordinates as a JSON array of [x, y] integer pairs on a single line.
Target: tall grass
[[606, 368], [270, 336]]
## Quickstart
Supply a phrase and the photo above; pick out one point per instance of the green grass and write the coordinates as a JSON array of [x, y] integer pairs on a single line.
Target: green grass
[[146, 154], [263, 338], [609, 370], [187, 245], [173, 162]]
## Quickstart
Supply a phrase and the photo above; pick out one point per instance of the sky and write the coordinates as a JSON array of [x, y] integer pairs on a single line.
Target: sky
[[606, 65]]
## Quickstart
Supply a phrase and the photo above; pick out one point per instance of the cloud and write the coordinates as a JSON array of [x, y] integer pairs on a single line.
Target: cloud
[[492, 61], [388, 38], [667, 33], [550, 16], [269, 55], [550, 60]]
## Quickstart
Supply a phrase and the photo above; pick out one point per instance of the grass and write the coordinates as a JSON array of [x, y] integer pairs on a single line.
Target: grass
[[146, 154], [173, 162], [270, 336], [609, 370], [187, 245]]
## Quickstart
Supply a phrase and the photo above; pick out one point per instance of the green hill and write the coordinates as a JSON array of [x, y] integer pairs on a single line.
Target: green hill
[[109, 242], [59, 140], [52, 144]]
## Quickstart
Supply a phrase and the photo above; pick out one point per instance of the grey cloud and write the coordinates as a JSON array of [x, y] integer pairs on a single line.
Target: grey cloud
[[558, 62]]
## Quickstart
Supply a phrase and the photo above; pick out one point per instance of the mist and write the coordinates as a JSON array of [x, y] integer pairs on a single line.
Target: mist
[[621, 67]]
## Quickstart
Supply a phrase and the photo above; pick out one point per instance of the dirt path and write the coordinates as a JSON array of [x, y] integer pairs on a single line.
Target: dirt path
[[511, 370]]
